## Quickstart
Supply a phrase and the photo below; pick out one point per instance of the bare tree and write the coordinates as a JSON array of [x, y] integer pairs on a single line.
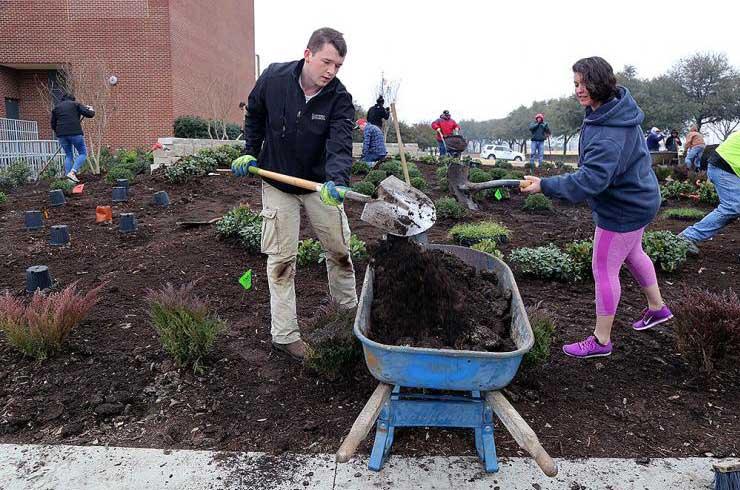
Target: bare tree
[[388, 89], [89, 82], [724, 128], [219, 94]]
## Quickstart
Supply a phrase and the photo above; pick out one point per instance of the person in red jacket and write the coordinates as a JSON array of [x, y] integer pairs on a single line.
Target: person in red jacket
[[444, 126]]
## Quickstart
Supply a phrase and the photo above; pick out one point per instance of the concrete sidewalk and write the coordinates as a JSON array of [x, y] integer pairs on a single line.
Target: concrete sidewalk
[[96, 467]]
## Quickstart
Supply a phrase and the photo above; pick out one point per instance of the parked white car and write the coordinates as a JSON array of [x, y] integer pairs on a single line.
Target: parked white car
[[500, 152]]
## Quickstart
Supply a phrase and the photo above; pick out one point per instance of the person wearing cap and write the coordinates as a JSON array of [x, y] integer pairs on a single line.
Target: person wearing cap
[[653, 139], [444, 126], [540, 131], [377, 113], [373, 146], [694, 148]]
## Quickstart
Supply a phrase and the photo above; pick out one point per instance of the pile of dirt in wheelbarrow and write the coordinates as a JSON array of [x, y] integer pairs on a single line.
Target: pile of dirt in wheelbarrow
[[427, 298]]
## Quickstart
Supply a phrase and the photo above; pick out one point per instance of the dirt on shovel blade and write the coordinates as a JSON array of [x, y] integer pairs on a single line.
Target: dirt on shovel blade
[[427, 298]]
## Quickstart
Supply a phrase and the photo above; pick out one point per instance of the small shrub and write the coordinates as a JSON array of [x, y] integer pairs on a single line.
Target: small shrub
[[65, 185], [581, 251], [447, 160], [488, 246], [665, 249], [333, 349], [39, 329], [359, 168], [471, 233], [673, 190], [505, 164], [428, 160], [443, 184], [413, 171], [15, 174], [547, 166], [244, 225], [376, 177], [250, 237], [392, 167], [547, 262], [310, 252], [419, 183], [3, 197], [477, 175], [364, 187], [186, 327], [514, 174], [357, 248], [662, 172], [537, 203], [190, 168], [441, 172], [498, 173], [448, 207], [688, 214], [707, 326], [543, 327], [119, 172], [707, 193], [503, 193]]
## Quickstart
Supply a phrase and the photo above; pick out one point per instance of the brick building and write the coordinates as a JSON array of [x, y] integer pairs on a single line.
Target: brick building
[[165, 54]]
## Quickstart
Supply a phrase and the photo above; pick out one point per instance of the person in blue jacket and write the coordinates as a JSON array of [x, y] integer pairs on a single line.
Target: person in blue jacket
[[373, 144], [653, 139], [616, 179]]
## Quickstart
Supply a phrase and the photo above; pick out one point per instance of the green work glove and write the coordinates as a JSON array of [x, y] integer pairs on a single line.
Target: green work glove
[[331, 195], [240, 166]]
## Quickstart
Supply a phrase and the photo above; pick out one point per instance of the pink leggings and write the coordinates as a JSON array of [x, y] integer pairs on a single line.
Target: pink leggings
[[611, 250]]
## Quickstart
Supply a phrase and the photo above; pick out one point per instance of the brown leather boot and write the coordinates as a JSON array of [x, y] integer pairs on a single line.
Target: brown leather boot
[[296, 350]]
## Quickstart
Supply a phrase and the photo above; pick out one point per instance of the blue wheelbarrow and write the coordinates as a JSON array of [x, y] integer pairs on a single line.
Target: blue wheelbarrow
[[478, 375]]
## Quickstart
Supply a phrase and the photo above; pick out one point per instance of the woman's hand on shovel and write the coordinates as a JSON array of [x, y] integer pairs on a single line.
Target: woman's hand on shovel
[[530, 185]]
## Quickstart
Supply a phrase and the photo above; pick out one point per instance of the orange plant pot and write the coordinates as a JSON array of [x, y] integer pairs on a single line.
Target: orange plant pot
[[103, 214]]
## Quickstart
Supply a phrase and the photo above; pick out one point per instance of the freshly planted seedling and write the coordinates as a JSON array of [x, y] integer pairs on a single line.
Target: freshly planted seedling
[[449, 208], [537, 203], [687, 214], [488, 246]]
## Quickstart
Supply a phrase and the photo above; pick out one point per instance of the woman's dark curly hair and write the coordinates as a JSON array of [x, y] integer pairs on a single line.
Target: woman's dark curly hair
[[598, 77]]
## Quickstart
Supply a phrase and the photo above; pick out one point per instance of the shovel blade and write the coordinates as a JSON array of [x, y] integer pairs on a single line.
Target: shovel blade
[[400, 209]]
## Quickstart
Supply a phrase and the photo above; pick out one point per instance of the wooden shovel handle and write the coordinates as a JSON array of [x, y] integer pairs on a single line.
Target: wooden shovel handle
[[364, 422], [521, 431], [479, 186], [305, 184]]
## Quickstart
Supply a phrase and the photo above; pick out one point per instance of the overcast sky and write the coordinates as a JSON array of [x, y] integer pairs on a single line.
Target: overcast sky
[[481, 59]]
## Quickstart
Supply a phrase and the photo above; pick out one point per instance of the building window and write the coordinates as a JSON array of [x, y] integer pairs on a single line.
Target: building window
[[12, 108]]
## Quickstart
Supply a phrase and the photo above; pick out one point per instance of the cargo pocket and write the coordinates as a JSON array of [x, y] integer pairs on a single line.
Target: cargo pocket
[[270, 242]]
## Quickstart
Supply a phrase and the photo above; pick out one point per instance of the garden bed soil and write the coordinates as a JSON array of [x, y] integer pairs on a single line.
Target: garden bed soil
[[112, 384], [428, 298]]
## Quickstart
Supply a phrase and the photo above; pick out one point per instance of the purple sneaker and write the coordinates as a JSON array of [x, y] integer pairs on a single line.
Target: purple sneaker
[[651, 318], [588, 348]]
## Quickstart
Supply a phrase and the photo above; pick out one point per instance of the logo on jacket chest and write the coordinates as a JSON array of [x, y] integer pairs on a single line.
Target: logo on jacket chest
[[318, 117]]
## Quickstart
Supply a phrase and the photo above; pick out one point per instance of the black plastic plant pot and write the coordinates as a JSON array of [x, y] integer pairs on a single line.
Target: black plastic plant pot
[[56, 198], [161, 199], [122, 183], [128, 223], [120, 194], [38, 277], [59, 235], [34, 220]]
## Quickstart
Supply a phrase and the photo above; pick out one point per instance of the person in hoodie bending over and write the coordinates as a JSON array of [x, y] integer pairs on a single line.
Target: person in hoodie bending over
[[616, 179]]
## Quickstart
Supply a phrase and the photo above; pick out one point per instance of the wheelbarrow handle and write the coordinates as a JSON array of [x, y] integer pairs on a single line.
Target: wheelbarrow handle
[[306, 184], [479, 186], [364, 422]]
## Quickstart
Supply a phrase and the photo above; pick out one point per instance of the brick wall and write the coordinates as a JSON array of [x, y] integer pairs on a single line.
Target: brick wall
[[8, 87], [32, 105], [134, 39]]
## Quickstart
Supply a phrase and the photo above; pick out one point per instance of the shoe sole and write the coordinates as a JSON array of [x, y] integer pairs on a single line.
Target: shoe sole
[[653, 324], [277, 348], [588, 356]]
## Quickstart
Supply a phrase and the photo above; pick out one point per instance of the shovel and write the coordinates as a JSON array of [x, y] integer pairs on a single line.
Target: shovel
[[399, 209], [457, 177]]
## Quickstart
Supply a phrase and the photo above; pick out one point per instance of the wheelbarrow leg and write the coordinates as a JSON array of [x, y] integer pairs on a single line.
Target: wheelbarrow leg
[[383, 439], [484, 441]]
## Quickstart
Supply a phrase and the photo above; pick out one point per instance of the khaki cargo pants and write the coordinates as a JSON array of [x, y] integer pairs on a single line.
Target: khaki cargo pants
[[281, 223]]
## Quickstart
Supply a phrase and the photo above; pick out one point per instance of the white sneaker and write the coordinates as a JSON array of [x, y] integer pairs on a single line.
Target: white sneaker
[[73, 177]]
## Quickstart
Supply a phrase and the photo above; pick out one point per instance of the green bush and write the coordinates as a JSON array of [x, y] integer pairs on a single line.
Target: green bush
[[707, 193], [662, 172], [498, 173], [364, 187], [447, 160], [419, 183], [547, 262], [375, 176], [477, 175], [514, 174], [707, 327], [428, 159], [244, 225], [197, 127], [441, 172], [333, 350], [471, 233], [413, 171], [665, 249], [65, 185], [488, 246], [448, 207], [359, 168], [223, 155], [543, 327], [504, 164], [537, 203], [119, 172], [15, 174], [310, 252], [688, 214], [581, 251], [392, 167], [3, 197], [673, 190], [357, 248], [190, 167], [186, 327], [547, 166]]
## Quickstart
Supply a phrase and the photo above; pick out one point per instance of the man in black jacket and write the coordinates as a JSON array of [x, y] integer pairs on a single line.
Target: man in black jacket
[[65, 122], [299, 122], [377, 113]]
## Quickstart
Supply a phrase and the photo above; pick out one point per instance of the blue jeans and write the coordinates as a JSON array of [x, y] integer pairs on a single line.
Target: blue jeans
[[372, 158], [442, 148], [728, 190], [67, 143], [693, 157], [538, 150]]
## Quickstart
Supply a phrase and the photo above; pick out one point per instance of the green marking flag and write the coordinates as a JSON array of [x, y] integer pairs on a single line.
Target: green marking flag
[[499, 195], [246, 280]]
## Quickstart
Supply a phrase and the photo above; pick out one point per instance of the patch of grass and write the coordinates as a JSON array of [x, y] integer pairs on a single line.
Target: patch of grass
[[448, 207], [688, 214], [471, 233]]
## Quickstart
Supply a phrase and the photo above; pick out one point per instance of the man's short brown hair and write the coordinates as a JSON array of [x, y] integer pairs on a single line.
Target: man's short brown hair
[[327, 35]]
